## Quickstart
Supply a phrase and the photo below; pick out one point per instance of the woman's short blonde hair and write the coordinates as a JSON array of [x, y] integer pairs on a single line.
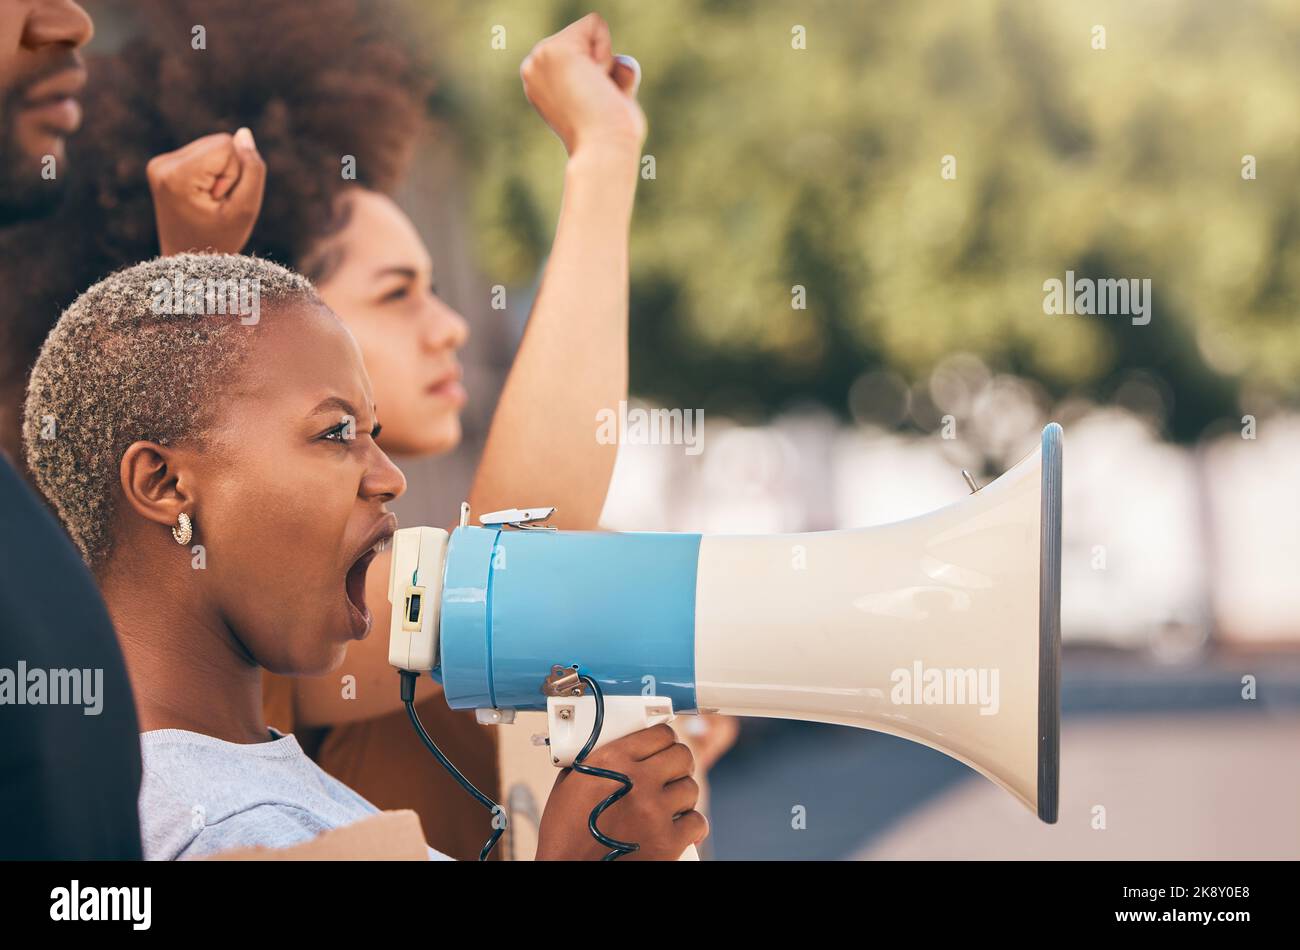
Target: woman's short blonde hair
[[143, 355]]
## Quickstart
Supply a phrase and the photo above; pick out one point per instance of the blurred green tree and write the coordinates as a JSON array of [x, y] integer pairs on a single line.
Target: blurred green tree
[[821, 167]]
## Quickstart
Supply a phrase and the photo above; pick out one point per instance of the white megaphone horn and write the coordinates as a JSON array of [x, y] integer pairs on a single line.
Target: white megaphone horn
[[943, 629]]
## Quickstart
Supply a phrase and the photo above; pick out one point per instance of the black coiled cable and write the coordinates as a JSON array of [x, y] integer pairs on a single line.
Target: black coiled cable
[[408, 698], [617, 848]]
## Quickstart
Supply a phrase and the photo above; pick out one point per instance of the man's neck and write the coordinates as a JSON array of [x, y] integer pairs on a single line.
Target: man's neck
[[186, 666]]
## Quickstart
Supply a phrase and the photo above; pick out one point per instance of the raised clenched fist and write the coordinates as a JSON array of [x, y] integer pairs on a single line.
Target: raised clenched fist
[[207, 195], [585, 93]]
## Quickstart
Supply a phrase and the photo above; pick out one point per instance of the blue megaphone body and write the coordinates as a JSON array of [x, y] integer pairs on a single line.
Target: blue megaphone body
[[517, 602]]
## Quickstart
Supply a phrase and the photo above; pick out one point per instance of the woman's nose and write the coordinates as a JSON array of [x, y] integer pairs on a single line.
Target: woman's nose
[[445, 329], [384, 481]]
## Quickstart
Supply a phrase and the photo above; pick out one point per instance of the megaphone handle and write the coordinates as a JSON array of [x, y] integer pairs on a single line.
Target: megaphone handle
[[570, 720]]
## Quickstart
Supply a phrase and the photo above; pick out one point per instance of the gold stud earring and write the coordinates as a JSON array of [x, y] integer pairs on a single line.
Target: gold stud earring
[[184, 529]]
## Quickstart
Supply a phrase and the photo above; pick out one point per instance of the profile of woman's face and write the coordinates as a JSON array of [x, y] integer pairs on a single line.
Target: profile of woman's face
[[382, 287], [290, 492]]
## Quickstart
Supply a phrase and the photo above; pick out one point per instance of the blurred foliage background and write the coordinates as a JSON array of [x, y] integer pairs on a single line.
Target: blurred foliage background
[[777, 166]]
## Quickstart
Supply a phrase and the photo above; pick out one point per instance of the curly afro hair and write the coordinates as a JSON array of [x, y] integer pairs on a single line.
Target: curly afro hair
[[313, 81]]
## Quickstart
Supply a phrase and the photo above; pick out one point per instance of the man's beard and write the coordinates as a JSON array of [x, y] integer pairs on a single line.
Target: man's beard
[[24, 194]]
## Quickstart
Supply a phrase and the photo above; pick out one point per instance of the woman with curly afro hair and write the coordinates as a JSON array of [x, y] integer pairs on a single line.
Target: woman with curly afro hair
[[324, 87]]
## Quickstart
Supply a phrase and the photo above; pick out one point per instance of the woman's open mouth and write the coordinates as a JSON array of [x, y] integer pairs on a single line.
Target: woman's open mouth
[[355, 589]]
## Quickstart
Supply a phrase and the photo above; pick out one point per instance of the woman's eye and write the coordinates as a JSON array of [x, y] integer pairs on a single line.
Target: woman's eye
[[346, 432], [397, 293]]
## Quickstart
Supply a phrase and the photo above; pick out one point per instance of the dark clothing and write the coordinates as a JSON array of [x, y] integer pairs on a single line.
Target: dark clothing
[[69, 782]]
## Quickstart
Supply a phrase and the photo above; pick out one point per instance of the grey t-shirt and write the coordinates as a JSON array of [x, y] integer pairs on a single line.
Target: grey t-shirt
[[202, 795]]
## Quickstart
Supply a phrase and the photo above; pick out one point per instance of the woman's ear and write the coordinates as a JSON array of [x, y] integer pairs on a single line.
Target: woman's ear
[[153, 483]]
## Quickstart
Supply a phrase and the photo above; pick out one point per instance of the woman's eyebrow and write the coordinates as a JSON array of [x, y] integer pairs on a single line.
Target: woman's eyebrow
[[334, 402], [408, 272], [403, 271]]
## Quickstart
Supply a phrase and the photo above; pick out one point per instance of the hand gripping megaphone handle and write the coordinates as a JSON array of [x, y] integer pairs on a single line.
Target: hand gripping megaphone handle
[[570, 720]]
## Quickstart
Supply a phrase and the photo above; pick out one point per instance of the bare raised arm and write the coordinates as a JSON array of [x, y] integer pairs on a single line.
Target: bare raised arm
[[541, 447]]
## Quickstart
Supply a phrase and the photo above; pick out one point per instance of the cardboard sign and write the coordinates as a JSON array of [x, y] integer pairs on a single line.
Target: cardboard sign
[[388, 836]]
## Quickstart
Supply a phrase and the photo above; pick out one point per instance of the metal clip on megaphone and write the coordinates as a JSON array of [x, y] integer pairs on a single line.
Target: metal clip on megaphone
[[943, 629]]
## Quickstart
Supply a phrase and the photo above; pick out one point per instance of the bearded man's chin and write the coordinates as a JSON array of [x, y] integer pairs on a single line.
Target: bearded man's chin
[[24, 193]]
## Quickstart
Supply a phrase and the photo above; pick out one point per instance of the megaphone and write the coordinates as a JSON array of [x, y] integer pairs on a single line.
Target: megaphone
[[943, 629]]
